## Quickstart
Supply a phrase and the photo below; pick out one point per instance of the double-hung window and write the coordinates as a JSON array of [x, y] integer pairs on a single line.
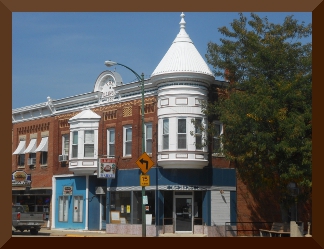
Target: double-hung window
[[43, 157], [148, 138], [65, 144], [89, 143], [217, 144], [165, 134], [74, 144], [198, 134], [182, 134], [127, 140], [111, 142], [21, 160]]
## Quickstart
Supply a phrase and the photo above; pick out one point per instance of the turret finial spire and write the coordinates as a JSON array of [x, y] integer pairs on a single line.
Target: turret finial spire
[[182, 22]]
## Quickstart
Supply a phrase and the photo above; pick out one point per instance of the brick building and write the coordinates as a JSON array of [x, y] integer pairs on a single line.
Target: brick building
[[57, 146]]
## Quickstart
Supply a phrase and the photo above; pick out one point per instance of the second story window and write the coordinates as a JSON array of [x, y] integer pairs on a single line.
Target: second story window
[[198, 135], [74, 144], [89, 143], [127, 140], [182, 134], [43, 157], [165, 134], [21, 160], [148, 138], [111, 142], [43, 149], [65, 144]]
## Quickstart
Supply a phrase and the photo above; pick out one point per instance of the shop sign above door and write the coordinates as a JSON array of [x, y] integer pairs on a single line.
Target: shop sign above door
[[67, 190]]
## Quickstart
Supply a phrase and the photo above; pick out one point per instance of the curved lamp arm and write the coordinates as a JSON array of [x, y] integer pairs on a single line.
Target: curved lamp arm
[[112, 63]]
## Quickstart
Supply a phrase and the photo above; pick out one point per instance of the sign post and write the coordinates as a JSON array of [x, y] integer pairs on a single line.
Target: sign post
[[144, 162]]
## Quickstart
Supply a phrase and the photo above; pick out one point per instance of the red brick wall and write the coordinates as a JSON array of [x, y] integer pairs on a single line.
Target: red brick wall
[[40, 176], [56, 126]]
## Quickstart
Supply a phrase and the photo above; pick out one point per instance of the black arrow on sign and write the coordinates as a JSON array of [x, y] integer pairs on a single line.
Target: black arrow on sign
[[144, 161]]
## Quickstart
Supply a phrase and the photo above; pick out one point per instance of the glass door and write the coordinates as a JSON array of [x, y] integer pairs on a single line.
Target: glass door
[[183, 214]]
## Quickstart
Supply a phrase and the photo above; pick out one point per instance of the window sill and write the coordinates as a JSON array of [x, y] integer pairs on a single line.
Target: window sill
[[126, 157], [21, 167], [43, 166], [218, 155]]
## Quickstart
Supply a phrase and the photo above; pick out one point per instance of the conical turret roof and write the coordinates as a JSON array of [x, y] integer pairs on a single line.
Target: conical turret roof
[[182, 56]]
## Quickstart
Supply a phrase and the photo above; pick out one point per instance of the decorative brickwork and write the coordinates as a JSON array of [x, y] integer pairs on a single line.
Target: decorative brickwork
[[127, 111], [148, 108], [33, 128], [110, 115], [64, 123]]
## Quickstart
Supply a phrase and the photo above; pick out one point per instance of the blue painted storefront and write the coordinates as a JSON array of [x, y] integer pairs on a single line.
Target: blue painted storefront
[[160, 180], [78, 184], [183, 179]]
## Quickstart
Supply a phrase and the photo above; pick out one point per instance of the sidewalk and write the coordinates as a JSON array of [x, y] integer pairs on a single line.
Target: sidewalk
[[83, 233]]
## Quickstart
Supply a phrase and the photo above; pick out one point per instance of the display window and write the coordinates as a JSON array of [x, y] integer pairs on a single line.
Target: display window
[[126, 207]]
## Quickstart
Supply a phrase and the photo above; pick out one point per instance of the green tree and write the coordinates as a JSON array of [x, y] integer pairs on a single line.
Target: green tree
[[267, 108]]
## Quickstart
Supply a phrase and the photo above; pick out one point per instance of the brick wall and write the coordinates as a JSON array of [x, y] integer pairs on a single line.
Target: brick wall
[[40, 175]]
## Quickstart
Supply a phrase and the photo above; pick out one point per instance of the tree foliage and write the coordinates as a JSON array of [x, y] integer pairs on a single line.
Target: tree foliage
[[267, 108]]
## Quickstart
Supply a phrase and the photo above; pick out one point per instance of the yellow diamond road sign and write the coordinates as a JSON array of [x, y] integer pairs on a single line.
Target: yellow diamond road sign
[[144, 162], [144, 180]]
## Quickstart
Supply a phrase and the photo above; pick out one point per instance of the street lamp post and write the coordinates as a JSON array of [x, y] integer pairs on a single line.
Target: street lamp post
[[141, 79]]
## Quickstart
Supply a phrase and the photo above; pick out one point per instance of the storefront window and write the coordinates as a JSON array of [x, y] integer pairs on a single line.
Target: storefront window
[[129, 206], [121, 201], [168, 207], [197, 208]]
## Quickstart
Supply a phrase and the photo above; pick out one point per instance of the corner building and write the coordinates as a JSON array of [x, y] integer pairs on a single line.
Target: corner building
[[191, 189]]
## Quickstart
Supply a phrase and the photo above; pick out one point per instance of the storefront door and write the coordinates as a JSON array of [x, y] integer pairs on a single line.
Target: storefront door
[[183, 213]]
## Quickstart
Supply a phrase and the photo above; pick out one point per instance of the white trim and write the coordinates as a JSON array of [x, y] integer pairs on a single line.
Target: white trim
[[109, 130], [59, 176], [125, 128]]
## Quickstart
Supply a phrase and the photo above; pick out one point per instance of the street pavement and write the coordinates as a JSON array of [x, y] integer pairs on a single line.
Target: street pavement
[[44, 232]]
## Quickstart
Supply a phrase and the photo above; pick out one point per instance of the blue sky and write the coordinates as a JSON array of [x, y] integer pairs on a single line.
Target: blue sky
[[61, 54]]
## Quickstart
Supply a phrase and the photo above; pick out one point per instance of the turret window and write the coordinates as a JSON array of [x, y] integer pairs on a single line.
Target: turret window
[[182, 134], [165, 134]]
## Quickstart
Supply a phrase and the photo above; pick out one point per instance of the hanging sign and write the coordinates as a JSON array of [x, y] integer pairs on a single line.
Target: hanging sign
[[20, 178], [106, 168]]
